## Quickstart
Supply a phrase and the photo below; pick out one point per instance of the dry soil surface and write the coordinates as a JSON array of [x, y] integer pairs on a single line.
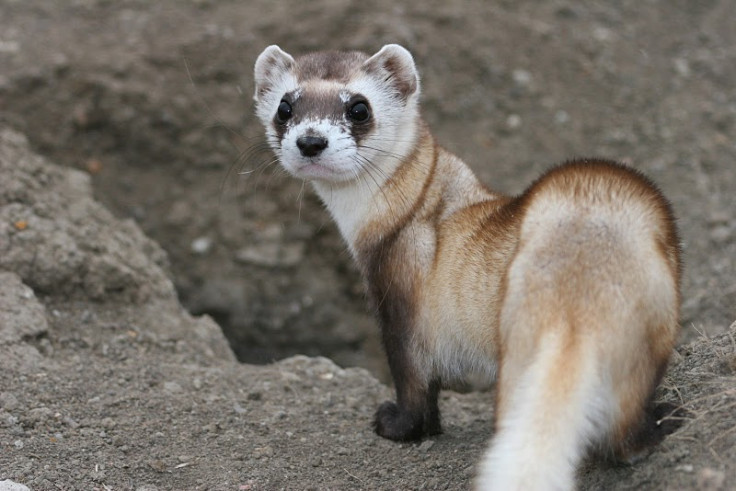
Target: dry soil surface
[[119, 352]]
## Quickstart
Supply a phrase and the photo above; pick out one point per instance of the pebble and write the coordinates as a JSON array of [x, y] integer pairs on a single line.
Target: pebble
[[9, 47], [272, 254], [521, 77], [343, 451], [711, 479], [172, 387], [562, 117], [426, 445], [261, 452], [157, 465], [682, 67], [8, 401], [8, 485], [721, 233], [201, 245], [513, 121], [39, 414]]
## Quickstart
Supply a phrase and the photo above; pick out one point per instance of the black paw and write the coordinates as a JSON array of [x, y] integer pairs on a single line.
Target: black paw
[[393, 423], [397, 424]]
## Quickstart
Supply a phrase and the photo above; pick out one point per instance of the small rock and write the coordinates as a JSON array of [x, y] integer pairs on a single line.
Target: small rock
[[272, 254], [260, 255], [39, 414], [9, 47], [261, 452], [682, 67], [98, 475], [172, 387], [721, 233], [157, 465], [316, 462], [8, 485], [602, 34], [513, 121], [710, 479], [521, 77], [201, 245], [562, 117], [211, 428], [426, 445], [8, 401]]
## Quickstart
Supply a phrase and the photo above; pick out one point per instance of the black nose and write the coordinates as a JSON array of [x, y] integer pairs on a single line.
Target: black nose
[[311, 146]]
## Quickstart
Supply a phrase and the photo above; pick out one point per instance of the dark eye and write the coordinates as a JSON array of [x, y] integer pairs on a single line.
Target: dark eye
[[359, 112], [283, 113]]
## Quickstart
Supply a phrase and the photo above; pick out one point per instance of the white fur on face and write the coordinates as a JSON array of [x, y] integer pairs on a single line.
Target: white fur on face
[[394, 134], [378, 156], [336, 163], [267, 104]]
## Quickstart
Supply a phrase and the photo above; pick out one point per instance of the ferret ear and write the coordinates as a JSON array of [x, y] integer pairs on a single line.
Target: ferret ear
[[395, 65], [270, 66]]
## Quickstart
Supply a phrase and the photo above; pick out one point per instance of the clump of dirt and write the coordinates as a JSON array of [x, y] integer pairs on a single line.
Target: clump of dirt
[[109, 382]]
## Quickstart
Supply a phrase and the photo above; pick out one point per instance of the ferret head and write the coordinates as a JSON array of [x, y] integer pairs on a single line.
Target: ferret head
[[337, 116]]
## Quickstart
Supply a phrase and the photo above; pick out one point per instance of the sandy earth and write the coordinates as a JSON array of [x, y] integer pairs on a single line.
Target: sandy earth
[[111, 378]]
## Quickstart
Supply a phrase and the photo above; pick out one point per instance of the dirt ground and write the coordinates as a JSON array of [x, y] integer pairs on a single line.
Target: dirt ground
[[111, 374]]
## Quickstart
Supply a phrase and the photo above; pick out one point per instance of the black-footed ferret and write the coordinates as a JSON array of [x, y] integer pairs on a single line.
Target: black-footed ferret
[[567, 294]]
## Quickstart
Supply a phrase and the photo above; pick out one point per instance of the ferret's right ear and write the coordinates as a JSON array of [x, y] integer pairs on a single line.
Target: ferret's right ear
[[394, 64], [270, 66]]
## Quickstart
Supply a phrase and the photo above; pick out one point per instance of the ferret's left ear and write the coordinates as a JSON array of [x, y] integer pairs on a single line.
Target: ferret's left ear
[[395, 65], [270, 65]]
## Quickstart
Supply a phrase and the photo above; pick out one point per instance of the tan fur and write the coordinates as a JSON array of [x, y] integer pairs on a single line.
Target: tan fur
[[571, 289]]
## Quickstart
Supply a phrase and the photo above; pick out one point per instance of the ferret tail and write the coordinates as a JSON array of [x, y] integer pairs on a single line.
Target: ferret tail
[[550, 409]]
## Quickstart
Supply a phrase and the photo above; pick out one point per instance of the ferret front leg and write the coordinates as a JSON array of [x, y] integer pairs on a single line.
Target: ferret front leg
[[415, 413], [407, 420]]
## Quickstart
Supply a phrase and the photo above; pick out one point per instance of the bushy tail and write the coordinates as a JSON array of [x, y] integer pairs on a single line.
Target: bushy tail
[[551, 408]]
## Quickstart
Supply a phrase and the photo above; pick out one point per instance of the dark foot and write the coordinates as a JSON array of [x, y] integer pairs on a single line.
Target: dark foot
[[397, 424]]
